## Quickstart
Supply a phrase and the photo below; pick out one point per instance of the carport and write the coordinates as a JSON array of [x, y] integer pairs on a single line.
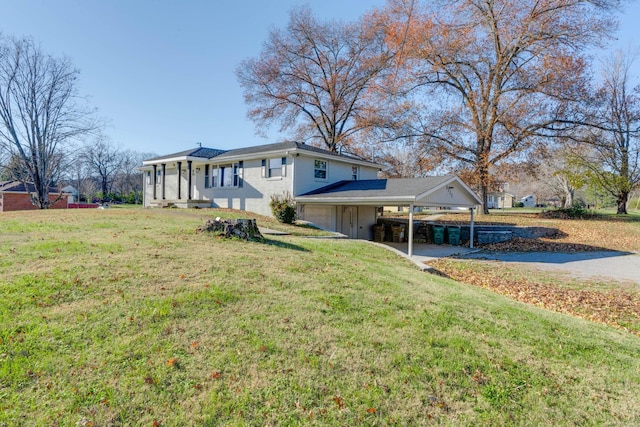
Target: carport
[[433, 192]]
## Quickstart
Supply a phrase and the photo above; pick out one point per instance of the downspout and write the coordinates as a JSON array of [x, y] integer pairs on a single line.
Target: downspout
[[471, 230]]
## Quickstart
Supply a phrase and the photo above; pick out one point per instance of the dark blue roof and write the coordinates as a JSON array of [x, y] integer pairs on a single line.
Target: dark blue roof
[[399, 187], [209, 153], [20, 187], [350, 186], [203, 152]]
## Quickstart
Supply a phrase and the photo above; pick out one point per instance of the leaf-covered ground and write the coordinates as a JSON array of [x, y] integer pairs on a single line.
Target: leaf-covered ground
[[619, 306], [611, 303]]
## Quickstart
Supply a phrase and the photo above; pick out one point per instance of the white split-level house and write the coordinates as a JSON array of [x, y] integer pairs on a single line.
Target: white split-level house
[[335, 191]]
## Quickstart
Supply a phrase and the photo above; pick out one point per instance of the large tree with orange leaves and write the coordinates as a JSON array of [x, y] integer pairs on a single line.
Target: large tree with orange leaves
[[313, 78], [487, 79]]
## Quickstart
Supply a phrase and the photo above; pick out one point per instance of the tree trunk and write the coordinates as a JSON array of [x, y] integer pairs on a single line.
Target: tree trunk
[[623, 197], [568, 199], [483, 172], [245, 229], [104, 187]]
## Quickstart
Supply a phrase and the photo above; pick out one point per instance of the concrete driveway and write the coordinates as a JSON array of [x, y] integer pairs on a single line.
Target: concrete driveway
[[603, 266]]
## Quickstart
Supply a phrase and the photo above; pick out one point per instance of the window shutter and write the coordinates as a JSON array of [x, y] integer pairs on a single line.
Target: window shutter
[[284, 166], [240, 173], [264, 168]]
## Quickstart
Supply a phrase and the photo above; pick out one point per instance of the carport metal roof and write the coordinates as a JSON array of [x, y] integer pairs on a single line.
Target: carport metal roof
[[436, 191]]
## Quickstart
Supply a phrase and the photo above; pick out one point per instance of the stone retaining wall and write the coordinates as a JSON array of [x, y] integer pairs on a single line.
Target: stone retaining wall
[[423, 231]]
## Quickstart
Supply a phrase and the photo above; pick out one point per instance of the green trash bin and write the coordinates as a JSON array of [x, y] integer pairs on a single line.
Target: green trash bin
[[454, 235], [438, 234]]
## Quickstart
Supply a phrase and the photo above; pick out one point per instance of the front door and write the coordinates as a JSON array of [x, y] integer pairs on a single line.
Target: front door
[[350, 221]]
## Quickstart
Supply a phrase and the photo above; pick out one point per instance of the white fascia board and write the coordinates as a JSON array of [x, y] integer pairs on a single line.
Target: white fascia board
[[447, 182], [373, 201], [172, 160], [259, 155]]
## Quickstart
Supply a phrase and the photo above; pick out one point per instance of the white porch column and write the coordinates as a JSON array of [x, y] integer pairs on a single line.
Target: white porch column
[[410, 244], [471, 230]]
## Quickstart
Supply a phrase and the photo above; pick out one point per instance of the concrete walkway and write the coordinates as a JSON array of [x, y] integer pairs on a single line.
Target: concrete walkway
[[423, 252], [271, 232]]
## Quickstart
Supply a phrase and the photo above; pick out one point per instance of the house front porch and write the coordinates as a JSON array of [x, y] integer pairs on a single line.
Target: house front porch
[[182, 203]]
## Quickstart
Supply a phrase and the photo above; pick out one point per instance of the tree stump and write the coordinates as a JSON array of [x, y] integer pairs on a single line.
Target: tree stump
[[245, 229]]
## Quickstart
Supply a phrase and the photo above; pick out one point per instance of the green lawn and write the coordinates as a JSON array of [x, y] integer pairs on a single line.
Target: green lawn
[[127, 317]]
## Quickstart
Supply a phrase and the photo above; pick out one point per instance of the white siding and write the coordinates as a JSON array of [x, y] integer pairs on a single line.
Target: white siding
[[257, 188], [305, 180], [321, 215], [454, 195], [254, 194]]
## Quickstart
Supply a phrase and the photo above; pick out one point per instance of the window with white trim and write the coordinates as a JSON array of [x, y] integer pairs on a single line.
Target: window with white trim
[[276, 167], [215, 177], [320, 169], [354, 173], [227, 175]]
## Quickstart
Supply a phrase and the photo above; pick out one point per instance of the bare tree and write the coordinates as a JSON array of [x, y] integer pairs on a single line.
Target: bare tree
[[313, 77], [487, 79], [13, 169], [130, 179], [613, 131], [103, 160], [40, 112]]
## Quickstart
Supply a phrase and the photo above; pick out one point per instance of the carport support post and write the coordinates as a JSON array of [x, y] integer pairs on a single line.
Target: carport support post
[[471, 230], [410, 244]]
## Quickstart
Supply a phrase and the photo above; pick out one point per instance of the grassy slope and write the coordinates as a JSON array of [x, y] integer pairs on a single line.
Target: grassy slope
[[128, 317]]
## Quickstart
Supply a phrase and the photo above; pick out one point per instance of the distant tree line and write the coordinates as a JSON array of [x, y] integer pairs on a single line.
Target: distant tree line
[[50, 137]]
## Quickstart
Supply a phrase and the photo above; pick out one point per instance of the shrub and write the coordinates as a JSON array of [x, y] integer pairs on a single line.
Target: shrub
[[283, 207], [574, 212]]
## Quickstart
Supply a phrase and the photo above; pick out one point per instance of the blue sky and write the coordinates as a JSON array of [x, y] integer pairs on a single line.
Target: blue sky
[[162, 73]]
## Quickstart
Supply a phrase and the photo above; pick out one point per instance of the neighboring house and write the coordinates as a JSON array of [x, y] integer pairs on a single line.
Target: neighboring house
[[335, 191], [73, 193], [500, 200], [528, 201], [15, 196]]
